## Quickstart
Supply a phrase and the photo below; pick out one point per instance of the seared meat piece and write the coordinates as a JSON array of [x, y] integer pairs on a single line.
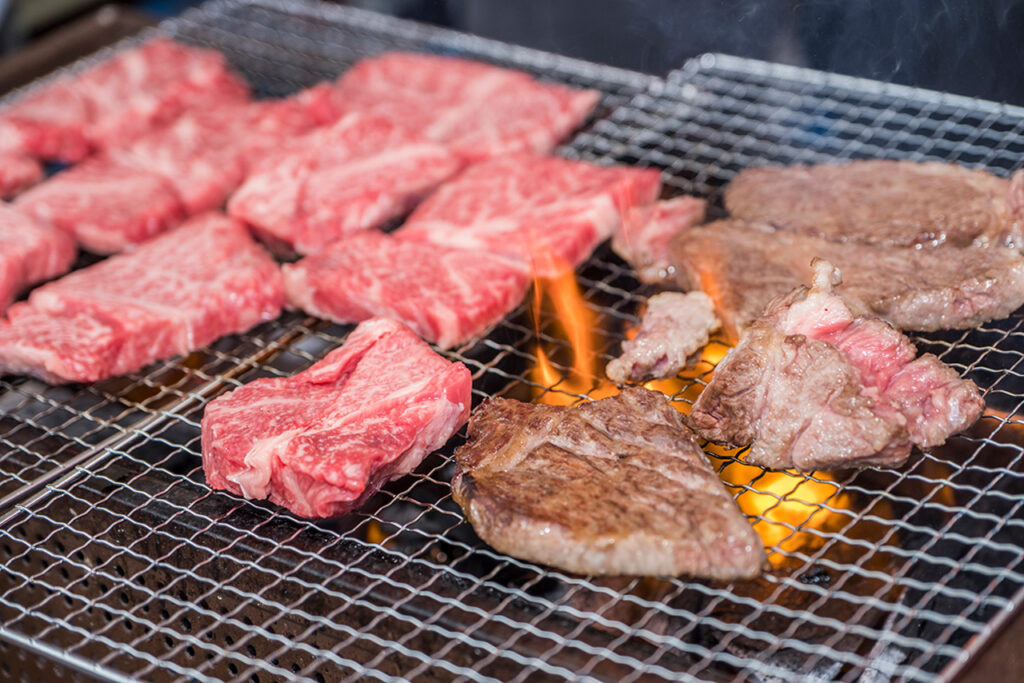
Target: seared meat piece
[[674, 327], [618, 486], [812, 387], [644, 238], [888, 203], [743, 266]]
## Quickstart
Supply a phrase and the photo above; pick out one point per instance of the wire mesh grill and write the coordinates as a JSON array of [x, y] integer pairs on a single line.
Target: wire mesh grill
[[121, 563]]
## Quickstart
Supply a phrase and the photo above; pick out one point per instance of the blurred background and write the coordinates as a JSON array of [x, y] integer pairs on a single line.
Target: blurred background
[[969, 47]]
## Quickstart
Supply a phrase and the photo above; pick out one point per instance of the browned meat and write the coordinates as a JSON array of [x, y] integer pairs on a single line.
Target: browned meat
[[618, 486], [645, 235], [674, 327], [888, 203], [812, 387], [743, 266]]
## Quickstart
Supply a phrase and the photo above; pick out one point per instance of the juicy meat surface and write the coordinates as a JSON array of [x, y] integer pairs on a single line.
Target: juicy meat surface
[[321, 442], [447, 296], [617, 486], [743, 266], [119, 99], [644, 239], [478, 110], [674, 327], [30, 252], [170, 296], [545, 212], [104, 204], [355, 175], [887, 203], [17, 171], [810, 386], [126, 196]]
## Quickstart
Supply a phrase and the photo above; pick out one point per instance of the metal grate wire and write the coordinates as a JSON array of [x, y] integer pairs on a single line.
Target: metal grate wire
[[119, 562]]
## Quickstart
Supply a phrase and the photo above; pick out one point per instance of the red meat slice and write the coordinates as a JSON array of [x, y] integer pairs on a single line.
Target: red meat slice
[[18, 171], [29, 253], [120, 99], [546, 212], [105, 204], [127, 196], [321, 442], [645, 238], [355, 175], [447, 296], [170, 296], [479, 111]]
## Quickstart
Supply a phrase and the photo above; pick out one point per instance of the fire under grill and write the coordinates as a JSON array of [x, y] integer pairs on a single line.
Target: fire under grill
[[119, 562]]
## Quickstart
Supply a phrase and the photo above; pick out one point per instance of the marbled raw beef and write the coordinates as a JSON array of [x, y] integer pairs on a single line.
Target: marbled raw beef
[[29, 253]]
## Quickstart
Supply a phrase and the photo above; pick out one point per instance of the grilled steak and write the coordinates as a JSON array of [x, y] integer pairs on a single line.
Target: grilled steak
[[674, 327], [811, 386], [618, 486], [644, 238], [743, 266], [888, 203], [322, 441]]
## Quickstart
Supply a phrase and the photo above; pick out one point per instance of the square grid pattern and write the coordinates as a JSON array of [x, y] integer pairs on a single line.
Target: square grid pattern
[[119, 561]]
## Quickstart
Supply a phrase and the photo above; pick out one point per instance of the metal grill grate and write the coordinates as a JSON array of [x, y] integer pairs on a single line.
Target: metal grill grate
[[120, 562]]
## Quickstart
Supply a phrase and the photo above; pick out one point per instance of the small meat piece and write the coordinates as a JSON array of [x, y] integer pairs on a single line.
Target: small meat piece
[[617, 486], [812, 387], [29, 253], [120, 99], [743, 266], [17, 171], [104, 204], [170, 296], [644, 239], [885, 203], [355, 175], [674, 327], [546, 212], [323, 441], [447, 296], [478, 110]]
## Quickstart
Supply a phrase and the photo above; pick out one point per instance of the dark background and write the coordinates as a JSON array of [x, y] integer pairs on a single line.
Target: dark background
[[968, 47]]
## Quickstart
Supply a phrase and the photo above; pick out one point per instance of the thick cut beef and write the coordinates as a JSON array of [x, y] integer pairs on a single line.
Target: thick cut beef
[[645, 237], [118, 100], [321, 442], [29, 253], [812, 387], [674, 327], [618, 486], [447, 296], [478, 110], [355, 175], [887, 203], [743, 266], [170, 296], [546, 212], [17, 171], [128, 195]]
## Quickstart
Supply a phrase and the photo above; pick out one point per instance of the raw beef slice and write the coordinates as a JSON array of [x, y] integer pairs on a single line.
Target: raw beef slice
[[355, 175], [886, 203], [17, 171], [321, 442], [29, 253], [617, 486], [478, 110], [644, 239], [811, 386], [546, 212], [743, 266], [447, 296], [119, 99], [170, 296]]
